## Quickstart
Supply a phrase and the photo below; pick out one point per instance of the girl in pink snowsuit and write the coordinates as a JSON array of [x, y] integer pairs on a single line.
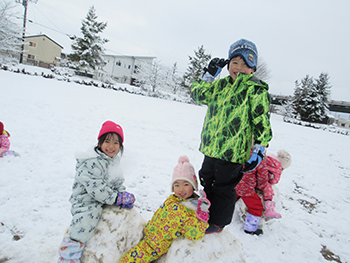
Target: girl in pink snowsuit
[[267, 173]]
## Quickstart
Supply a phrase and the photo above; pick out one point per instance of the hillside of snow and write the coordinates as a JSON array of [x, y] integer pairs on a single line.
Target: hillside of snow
[[50, 120]]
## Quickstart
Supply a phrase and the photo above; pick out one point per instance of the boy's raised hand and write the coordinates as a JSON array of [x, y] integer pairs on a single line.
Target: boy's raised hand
[[215, 66], [255, 158]]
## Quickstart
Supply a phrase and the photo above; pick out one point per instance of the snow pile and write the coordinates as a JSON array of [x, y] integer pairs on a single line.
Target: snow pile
[[117, 231]]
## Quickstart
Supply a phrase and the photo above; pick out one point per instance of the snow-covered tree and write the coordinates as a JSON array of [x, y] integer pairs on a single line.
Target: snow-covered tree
[[287, 109], [149, 75], [10, 33], [323, 87], [173, 80], [310, 98], [88, 50], [196, 66]]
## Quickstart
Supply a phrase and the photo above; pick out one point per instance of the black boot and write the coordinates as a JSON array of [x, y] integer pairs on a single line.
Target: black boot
[[257, 232]]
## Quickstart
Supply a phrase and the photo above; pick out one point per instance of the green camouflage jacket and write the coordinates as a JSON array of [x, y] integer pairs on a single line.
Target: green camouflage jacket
[[236, 111]]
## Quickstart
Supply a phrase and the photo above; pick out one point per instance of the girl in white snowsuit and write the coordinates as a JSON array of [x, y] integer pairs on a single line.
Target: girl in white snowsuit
[[98, 181]]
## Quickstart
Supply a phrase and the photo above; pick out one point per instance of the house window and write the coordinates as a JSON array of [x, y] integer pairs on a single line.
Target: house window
[[118, 63], [32, 44], [129, 67], [30, 56]]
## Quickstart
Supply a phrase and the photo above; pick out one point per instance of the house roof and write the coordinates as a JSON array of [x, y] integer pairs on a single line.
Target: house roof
[[43, 35]]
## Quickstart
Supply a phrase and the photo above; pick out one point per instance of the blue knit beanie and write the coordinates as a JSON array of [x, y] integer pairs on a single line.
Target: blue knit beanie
[[247, 50]]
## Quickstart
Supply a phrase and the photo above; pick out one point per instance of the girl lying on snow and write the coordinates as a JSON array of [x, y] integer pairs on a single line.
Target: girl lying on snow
[[183, 213]]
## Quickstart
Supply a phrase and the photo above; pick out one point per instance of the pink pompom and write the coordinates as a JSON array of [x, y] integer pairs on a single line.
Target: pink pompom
[[183, 159]]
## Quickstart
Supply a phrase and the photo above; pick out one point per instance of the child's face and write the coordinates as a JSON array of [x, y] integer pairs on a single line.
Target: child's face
[[183, 189], [111, 145], [236, 66]]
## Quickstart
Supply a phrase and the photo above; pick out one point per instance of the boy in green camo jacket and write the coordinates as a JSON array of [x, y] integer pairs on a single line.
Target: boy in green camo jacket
[[238, 108]]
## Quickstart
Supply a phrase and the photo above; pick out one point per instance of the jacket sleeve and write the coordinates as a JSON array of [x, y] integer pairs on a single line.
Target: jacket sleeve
[[202, 91], [193, 228], [263, 176], [90, 175], [260, 104]]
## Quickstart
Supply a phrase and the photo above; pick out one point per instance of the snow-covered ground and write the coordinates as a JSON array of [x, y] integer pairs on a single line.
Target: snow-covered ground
[[49, 120]]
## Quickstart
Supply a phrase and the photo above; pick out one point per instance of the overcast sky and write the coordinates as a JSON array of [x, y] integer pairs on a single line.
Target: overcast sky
[[294, 38]]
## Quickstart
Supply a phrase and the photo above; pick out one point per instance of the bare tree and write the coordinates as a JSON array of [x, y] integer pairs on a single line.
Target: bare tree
[[10, 33], [262, 72]]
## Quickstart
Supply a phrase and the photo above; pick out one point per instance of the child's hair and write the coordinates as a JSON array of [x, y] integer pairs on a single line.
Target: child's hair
[[104, 137], [108, 129]]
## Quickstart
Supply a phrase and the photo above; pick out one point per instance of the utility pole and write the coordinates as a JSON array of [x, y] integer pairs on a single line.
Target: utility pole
[[25, 5]]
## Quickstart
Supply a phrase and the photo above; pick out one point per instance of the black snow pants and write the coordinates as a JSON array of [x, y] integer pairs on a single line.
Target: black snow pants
[[219, 179]]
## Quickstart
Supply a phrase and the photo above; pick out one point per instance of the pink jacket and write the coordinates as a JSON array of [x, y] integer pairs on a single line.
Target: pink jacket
[[268, 172], [4, 142]]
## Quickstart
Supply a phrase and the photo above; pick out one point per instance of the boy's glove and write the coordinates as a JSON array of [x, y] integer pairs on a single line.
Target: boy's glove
[[125, 200], [203, 205], [255, 158], [215, 66]]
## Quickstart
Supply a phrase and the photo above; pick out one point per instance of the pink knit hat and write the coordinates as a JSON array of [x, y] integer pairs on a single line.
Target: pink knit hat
[[184, 170], [1, 127], [110, 126]]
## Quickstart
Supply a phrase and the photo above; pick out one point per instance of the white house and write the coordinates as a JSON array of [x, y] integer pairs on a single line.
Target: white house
[[123, 68], [343, 123]]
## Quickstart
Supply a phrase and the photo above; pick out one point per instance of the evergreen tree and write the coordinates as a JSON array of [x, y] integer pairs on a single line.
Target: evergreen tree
[[88, 50], [10, 33], [196, 66], [324, 89], [310, 98]]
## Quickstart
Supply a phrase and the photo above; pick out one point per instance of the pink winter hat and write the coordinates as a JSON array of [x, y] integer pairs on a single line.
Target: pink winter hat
[[110, 126], [1, 127], [184, 170]]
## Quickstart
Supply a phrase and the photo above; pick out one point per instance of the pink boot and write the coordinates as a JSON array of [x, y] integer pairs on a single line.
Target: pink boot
[[270, 210]]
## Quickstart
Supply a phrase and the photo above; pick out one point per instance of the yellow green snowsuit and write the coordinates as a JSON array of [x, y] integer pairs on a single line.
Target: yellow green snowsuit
[[170, 221]]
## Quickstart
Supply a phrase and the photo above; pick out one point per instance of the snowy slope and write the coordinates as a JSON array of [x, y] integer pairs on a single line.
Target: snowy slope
[[49, 120]]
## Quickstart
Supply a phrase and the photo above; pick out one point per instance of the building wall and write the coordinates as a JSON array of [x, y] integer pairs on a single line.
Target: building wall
[[41, 49], [343, 123], [122, 68]]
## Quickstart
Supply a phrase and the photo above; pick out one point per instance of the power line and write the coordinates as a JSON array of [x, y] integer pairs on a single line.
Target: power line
[[49, 20]]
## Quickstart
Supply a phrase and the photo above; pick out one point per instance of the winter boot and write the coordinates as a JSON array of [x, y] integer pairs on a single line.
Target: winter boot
[[251, 225], [270, 210], [70, 251], [213, 229]]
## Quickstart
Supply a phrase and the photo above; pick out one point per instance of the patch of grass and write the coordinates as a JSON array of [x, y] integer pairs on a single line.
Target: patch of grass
[[329, 255]]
